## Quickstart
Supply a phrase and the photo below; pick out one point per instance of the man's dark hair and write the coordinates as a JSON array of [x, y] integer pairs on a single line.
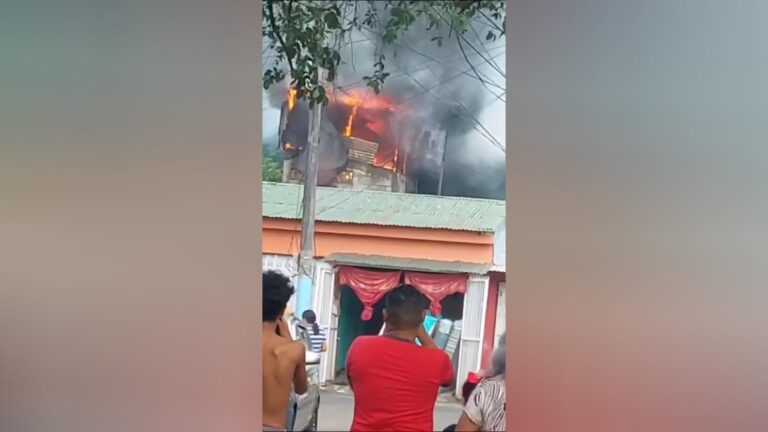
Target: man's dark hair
[[276, 291], [467, 389], [405, 306]]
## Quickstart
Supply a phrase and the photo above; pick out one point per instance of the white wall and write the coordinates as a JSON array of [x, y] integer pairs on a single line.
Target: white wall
[[473, 328], [500, 245], [501, 314]]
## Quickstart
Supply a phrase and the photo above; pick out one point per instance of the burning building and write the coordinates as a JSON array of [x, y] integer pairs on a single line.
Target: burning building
[[367, 142]]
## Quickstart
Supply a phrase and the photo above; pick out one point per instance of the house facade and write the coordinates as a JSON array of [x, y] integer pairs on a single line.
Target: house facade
[[367, 242]]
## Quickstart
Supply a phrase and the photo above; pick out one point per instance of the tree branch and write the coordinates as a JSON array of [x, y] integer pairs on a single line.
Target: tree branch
[[461, 47], [492, 64], [501, 30], [273, 25]]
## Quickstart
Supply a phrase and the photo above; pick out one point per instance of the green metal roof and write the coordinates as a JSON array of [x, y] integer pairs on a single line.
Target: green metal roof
[[283, 200], [421, 265]]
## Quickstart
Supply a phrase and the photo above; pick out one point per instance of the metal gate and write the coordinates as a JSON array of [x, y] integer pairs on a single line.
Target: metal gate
[[473, 321], [501, 315], [322, 304]]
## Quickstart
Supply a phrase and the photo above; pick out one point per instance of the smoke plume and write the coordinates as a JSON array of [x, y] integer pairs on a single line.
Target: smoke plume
[[434, 86]]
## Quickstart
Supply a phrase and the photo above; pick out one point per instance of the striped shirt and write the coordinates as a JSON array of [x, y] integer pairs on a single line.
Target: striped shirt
[[316, 341], [487, 405]]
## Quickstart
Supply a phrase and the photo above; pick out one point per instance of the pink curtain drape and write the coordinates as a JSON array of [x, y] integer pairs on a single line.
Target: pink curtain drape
[[437, 286], [369, 286]]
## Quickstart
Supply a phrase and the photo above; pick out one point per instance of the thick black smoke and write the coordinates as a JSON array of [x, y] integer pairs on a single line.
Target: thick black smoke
[[332, 152], [439, 90]]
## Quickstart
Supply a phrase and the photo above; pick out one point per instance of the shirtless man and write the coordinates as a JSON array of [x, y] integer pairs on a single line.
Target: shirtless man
[[283, 361]]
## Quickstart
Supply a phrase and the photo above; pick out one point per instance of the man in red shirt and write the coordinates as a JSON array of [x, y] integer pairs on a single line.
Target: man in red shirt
[[394, 380]]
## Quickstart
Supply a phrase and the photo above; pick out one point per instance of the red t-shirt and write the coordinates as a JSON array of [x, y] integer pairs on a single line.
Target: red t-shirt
[[395, 383]]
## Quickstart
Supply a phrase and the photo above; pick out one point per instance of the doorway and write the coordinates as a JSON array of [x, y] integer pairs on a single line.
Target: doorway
[[351, 326]]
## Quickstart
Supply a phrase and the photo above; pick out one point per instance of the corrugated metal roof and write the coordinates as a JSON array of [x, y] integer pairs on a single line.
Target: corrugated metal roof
[[421, 265], [283, 200]]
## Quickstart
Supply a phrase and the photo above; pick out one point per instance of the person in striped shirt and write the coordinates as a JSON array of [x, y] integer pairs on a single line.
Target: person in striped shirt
[[485, 409], [317, 335]]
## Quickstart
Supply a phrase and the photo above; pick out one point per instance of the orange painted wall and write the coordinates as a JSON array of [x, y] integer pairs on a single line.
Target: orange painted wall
[[282, 237]]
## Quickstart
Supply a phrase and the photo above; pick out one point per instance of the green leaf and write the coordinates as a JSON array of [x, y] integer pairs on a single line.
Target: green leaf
[[304, 34], [332, 20], [389, 36]]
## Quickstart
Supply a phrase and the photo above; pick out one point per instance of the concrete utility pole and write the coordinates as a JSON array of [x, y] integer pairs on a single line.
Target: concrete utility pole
[[287, 162], [306, 263], [442, 166]]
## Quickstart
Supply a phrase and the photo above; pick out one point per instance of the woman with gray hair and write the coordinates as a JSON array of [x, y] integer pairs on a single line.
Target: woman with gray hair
[[486, 407]]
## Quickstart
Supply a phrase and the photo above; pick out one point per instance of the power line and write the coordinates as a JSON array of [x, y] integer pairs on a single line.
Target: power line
[[477, 76], [438, 84], [444, 63], [477, 35], [487, 81], [360, 83], [460, 37], [487, 134]]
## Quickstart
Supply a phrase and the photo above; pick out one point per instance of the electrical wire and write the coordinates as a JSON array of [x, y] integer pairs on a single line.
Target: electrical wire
[[485, 133]]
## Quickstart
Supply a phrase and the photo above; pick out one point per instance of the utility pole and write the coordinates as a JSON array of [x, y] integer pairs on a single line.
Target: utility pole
[[442, 166], [306, 256], [287, 162]]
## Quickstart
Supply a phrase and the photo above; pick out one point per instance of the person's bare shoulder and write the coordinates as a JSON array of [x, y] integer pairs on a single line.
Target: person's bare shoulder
[[292, 349], [284, 346], [298, 349], [296, 352]]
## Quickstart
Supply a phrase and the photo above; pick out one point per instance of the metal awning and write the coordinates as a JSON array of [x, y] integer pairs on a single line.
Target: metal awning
[[412, 264]]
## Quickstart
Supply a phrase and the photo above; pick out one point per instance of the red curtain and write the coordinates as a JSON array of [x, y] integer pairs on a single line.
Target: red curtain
[[437, 286], [370, 286]]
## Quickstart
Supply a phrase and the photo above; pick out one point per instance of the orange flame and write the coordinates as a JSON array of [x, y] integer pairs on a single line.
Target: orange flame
[[291, 98], [366, 100], [377, 126], [355, 102]]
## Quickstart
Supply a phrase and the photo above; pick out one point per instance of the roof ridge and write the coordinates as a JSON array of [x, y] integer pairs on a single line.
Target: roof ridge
[[376, 192], [387, 209]]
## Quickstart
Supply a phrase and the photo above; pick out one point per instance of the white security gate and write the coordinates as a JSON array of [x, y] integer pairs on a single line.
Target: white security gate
[[501, 315], [287, 265], [322, 304], [473, 320]]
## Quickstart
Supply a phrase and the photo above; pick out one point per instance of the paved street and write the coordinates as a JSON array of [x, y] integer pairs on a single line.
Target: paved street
[[336, 413]]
